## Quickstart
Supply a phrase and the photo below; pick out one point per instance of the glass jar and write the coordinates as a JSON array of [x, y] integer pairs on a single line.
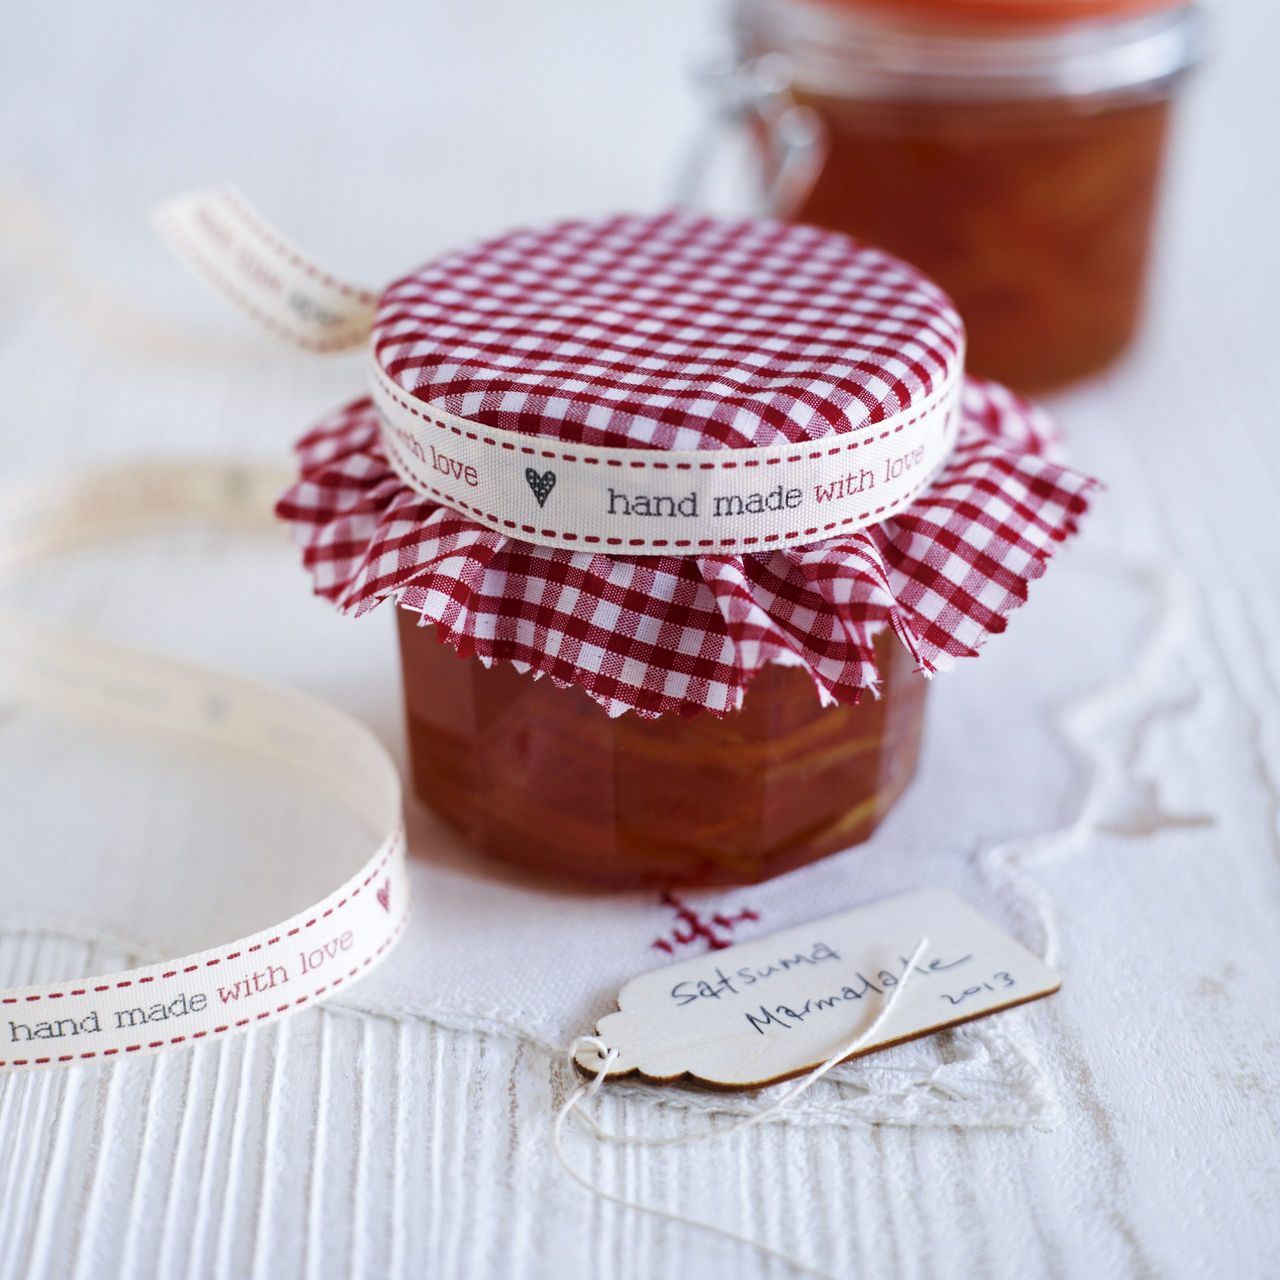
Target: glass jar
[[691, 507], [1011, 150], [538, 775]]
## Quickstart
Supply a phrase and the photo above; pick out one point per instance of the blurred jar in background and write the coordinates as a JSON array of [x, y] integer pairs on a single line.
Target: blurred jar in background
[[1011, 149]]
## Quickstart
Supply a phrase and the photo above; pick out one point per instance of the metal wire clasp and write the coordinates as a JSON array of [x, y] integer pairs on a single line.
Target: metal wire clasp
[[752, 97]]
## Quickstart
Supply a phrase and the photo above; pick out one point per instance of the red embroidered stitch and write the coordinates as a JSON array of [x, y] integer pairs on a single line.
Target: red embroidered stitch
[[691, 926]]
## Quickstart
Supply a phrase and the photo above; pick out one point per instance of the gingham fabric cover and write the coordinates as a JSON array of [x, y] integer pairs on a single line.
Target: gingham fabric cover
[[678, 332]]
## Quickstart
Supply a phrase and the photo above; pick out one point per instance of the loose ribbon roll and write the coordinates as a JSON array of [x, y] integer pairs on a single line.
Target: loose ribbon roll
[[623, 501], [344, 928]]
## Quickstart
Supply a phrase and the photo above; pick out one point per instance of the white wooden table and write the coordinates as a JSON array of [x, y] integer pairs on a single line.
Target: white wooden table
[[351, 1143]]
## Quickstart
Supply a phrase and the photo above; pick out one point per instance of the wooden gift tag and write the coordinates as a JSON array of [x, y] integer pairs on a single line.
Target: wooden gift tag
[[775, 1007]]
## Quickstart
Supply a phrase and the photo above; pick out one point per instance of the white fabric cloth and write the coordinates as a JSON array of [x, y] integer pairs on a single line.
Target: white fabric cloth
[[491, 948]]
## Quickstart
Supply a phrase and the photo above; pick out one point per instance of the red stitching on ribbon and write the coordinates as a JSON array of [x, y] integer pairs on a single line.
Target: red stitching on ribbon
[[201, 264], [414, 407], [249, 218], [492, 519], [196, 1035], [192, 968]]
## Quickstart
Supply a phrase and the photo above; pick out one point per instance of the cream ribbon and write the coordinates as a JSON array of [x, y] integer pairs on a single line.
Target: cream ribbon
[[340, 930], [620, 501], [642, 502]]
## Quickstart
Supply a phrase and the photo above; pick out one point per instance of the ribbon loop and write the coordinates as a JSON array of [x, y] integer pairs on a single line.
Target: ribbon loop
[[226, 242], [285, 965]]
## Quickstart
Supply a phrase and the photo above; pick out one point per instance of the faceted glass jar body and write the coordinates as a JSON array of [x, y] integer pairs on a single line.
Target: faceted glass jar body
[[538, 775], [1020, 171]]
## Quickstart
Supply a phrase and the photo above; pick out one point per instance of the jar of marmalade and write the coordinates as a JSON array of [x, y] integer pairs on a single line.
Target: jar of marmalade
[[540, 776], [1011, 149], [678, 513]]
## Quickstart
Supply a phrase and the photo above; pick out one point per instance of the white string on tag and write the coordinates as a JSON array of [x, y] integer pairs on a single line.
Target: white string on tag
[[337, 931], [573, 1105]]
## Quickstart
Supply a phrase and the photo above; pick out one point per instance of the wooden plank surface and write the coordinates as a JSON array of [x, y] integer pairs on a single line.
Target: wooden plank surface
[[346, 1144]]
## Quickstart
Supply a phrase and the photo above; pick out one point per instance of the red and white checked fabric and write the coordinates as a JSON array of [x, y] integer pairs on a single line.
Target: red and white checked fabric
[[684, 332]]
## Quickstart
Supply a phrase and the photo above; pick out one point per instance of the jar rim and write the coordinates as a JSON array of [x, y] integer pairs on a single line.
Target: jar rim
[[1011, 14], [886, 53]]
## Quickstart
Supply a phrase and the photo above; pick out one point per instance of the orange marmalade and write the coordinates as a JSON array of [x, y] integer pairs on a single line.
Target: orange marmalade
[[1011, 150], [539, 776]]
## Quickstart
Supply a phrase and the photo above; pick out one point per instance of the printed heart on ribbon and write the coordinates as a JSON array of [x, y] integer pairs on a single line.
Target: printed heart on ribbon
[[540, 484], [384, 895]]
